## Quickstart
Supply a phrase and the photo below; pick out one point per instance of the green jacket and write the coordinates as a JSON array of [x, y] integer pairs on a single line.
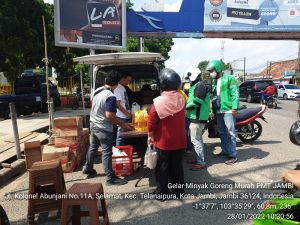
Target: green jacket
[[198, 109], [229, 93]]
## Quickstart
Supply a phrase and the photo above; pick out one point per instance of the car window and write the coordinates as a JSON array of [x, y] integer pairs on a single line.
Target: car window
[[291, 86], [280, 87], [243, 85], [262, 84]]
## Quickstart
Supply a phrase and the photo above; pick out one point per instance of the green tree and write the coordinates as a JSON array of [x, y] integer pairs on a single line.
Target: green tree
[[159, 45], [21, 38]]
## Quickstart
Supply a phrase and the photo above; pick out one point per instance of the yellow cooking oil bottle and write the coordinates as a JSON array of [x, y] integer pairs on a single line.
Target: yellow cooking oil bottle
[[145, 120]]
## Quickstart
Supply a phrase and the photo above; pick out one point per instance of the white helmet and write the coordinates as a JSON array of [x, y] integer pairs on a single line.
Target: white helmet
[[192, 73]]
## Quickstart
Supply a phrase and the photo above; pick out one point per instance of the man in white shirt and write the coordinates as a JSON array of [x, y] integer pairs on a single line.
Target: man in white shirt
[[123, 106]]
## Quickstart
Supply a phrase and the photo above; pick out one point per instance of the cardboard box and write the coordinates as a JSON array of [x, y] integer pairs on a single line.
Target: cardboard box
[[68, 121], [51, 152], [68, 126], [67, 131], [69, 166], [66, 142], [33, 153]]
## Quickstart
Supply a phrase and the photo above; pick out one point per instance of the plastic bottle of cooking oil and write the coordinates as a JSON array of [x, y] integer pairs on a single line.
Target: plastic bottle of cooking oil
[[139, 120], [145, 120]]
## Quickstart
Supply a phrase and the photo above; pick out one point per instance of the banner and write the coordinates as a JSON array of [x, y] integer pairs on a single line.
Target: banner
[[95, 24], [158, 17], [252, 16]]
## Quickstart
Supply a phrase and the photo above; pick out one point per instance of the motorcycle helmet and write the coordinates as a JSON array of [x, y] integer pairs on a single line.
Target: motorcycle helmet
[[215, 64], [169, 80], [192, 73], [294, 134]]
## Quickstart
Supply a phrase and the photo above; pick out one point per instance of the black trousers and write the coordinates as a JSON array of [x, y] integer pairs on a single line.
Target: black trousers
[[169, 169]]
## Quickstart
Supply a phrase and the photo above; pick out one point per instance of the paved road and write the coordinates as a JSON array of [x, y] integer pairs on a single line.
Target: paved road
[[261, 161]]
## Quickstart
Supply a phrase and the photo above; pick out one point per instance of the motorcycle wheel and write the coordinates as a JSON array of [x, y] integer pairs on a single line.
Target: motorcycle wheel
[[255, 131], [271, 104], [3, 217]]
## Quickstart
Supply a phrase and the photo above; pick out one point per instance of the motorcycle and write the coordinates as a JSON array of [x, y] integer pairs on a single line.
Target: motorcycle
[[285, 211], [77, 102], [248, 129], [270, 102], [294, 133]]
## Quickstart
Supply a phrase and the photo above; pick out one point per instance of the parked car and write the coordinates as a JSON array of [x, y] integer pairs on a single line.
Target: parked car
[[250, 90], [288, 91], [30, 96]]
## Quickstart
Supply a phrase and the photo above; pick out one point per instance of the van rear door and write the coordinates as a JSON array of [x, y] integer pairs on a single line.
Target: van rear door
[[117, 59]]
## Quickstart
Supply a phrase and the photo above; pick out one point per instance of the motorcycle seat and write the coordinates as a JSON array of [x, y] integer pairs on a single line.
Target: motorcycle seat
[[244, 114]]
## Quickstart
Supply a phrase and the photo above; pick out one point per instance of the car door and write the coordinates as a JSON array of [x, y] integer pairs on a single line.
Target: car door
[[280, 91], [242, 89]]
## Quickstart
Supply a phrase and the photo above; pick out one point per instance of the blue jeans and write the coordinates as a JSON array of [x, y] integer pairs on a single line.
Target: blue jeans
[[226, 126], [196, 130], [120, 141], [188, 135], [105, 140], [264, 97]]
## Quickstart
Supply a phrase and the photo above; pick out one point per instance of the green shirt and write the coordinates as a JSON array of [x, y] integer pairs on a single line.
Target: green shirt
[[229, 92], [198, 104]]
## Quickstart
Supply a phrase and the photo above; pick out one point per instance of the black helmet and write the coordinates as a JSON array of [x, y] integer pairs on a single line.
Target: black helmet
[[169, 80]]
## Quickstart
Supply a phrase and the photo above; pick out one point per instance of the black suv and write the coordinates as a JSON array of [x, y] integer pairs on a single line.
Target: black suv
[[250, 90]]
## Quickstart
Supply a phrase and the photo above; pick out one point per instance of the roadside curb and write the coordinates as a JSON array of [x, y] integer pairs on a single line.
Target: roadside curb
[[17, 167]]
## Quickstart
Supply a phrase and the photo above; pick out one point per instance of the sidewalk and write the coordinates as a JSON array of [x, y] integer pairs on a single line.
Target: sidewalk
[[37, 121]]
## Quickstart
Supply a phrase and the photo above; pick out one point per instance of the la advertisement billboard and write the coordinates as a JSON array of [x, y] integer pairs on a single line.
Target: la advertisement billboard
[[94, 24]]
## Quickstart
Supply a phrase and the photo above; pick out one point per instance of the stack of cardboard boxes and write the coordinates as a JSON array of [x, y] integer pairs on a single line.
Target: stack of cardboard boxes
[[71, 143]]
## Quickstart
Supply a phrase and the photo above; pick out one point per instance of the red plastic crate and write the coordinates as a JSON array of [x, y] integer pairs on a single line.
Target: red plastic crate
[[122, 165]]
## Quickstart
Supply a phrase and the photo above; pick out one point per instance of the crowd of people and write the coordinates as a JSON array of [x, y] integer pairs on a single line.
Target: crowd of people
[[175, 124]]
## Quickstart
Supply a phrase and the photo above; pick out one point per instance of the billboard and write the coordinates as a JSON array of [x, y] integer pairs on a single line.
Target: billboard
[[252, 16], [289, 73], [94, 24], [183, 18]]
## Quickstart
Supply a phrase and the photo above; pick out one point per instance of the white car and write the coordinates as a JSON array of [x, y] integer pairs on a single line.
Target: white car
[[288, 91]]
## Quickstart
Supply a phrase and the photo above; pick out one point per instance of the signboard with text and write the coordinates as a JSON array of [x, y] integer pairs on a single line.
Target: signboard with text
[[252, 16], [95, 24]]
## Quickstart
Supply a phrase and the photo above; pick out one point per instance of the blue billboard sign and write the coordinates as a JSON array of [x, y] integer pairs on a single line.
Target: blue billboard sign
[[189, 20], [252, 16], [289, 73]]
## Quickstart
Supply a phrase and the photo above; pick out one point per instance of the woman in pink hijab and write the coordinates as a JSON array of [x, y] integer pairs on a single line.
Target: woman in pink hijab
[[166, 131]]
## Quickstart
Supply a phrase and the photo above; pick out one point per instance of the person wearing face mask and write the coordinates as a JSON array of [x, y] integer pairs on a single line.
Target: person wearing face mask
[[197, 113], [225, 103]]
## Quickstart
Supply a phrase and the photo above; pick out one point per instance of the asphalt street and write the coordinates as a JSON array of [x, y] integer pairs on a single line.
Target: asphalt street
[[262, 161]]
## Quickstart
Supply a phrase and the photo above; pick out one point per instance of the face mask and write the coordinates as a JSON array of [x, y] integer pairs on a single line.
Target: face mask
[[213, 75]]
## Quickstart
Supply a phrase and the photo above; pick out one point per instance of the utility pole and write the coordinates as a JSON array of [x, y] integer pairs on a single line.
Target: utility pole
[[298, 61], [244, 68], [267, 70], [141, 44], [270, 70], [46, 61]]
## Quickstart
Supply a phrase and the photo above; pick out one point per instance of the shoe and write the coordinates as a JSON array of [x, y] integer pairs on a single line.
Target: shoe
[[231, 160], [197, 166], [90, 173], [116, 181], [221, 154]]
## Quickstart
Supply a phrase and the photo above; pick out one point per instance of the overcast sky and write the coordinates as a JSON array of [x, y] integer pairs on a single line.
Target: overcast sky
[[189, 52]]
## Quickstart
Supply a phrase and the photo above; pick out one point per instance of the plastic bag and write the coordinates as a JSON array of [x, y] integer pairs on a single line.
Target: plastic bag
[[135, 107], [150, 159]]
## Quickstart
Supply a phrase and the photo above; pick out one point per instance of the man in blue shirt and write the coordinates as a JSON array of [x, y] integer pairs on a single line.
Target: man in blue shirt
[[102, 119]]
